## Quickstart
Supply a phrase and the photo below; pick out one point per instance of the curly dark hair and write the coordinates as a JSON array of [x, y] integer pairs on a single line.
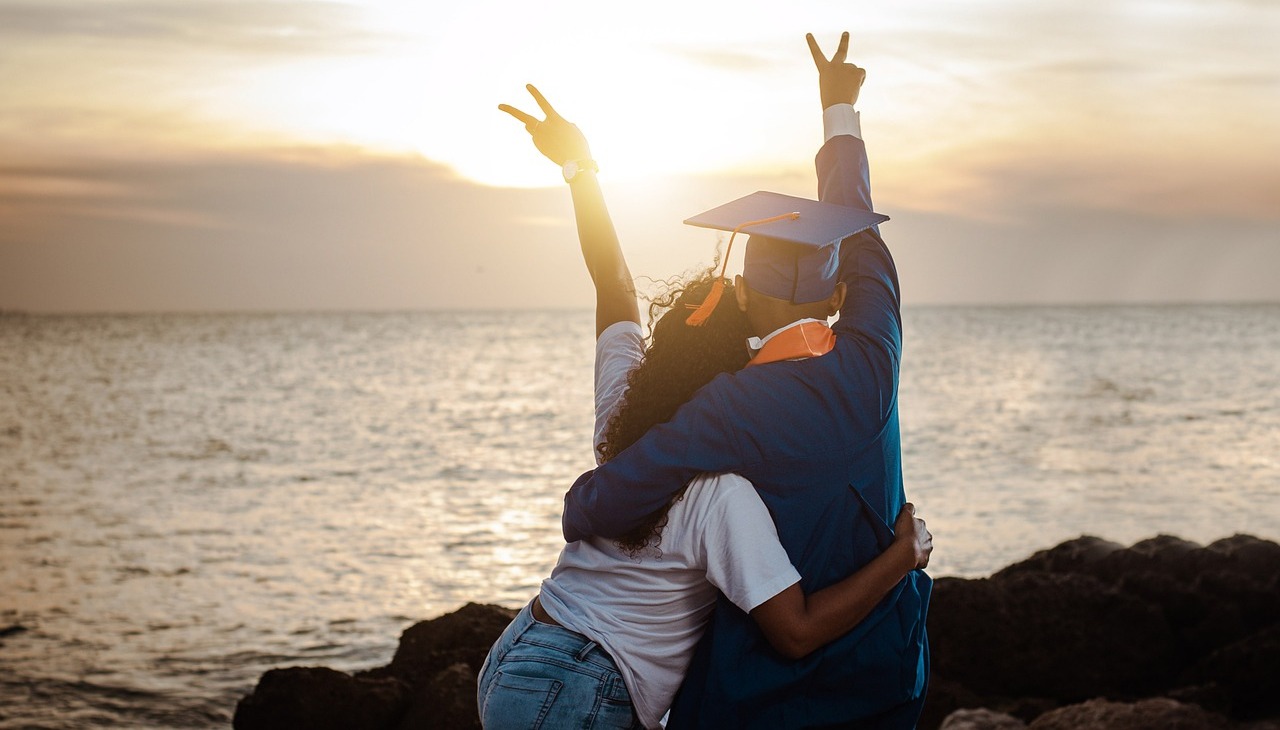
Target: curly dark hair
[[678, 360]]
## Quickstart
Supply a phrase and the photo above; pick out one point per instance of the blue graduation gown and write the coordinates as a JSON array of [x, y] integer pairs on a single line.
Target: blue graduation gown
[[819, 440]]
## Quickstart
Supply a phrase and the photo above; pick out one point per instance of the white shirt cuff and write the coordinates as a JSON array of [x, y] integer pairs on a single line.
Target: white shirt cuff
[[839, 119]]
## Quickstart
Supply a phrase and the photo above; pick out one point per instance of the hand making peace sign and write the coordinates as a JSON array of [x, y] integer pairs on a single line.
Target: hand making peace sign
[[838, 82], [556, 138]]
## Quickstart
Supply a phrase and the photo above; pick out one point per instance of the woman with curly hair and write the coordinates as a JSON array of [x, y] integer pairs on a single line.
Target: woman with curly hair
[[609, 638]]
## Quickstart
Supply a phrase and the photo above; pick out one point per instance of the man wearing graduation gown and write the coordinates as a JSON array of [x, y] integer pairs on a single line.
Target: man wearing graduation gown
[[818, 437]]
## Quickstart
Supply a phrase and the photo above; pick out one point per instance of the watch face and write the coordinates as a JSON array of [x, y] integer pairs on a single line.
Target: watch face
[[570, 170]]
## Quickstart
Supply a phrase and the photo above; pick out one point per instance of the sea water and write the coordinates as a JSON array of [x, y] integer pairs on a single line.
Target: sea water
[[189, 500]]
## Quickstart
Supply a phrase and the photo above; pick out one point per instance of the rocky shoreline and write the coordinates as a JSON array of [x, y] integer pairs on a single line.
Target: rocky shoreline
[[1163, 634]]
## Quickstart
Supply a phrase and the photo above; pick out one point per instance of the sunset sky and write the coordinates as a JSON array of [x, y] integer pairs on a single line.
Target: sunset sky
[[160, 155]]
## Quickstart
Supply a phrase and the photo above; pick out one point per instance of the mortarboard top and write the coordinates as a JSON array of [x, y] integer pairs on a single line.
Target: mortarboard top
[[793, 252], [819, 224]]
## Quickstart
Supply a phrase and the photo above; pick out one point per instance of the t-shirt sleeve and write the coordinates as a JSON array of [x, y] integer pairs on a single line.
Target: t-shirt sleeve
[[740, 543], [619, 350]]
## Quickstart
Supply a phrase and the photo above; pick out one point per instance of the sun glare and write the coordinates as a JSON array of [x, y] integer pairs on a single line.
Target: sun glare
[[653, 99]]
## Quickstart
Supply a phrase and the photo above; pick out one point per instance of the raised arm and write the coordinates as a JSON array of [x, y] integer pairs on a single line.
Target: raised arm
[[872, 306], [564, 144], [843, 174]]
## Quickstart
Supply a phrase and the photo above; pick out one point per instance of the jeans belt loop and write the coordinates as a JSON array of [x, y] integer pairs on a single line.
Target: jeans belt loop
[[582, 655]]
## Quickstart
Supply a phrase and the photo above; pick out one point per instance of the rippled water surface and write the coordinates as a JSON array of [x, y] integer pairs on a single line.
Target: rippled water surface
[[187, 501]]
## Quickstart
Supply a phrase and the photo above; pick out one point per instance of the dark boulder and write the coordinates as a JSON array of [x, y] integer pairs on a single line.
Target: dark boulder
[[1152, 714], [431, 682], [1058, 635], [1090, 619], [1247, 673], [321, 699]]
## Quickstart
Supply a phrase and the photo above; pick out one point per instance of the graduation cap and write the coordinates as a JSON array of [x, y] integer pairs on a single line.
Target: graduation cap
[[794, 250]]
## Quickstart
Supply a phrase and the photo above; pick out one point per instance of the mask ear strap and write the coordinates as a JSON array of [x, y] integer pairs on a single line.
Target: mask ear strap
[[704, 310]]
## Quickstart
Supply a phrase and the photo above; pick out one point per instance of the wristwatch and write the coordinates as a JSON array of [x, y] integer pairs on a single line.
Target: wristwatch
[[573, 167]]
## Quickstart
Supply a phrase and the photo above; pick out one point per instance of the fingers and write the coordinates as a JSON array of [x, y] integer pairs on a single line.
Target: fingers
[[528, 120], [843, 50], [542, 100], [928, 549], [910, 508], [819, 58]]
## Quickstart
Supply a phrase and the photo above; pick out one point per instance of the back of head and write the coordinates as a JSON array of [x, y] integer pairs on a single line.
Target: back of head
[[680, 359]]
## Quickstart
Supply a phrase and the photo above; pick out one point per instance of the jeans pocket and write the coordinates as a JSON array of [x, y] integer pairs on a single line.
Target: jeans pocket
[[518, 702], [615, 716], [615, 708]]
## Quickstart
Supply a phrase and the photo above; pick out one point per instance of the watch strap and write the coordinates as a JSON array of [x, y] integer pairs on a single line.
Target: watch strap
[[573, 168]]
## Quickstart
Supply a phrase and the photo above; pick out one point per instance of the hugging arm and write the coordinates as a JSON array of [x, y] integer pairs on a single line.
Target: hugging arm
[[796, 624], [615, 498], [561, 141]]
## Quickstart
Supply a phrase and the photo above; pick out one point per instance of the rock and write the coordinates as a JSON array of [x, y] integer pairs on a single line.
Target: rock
[[1089, 619], [981, 719], [1152, 714], [1064, 636], [945, 697], [431, 682], [320, 699], [447, 701], [1071, 556], [1248, 555], [439, 661], [461, 637], [1248, 673]]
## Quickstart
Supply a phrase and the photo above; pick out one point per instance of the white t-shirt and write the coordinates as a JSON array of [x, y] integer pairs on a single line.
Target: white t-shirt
[[648, 612]]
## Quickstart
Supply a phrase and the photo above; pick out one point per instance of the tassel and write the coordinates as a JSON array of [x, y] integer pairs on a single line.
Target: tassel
[[704, 310]]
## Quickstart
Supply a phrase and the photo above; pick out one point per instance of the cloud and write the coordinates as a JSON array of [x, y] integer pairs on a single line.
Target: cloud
[[1162, 176], [322, 229], [306, 229], [1071, 255], [735, 61], [1249, 81], [1088, 66], [284, 27]]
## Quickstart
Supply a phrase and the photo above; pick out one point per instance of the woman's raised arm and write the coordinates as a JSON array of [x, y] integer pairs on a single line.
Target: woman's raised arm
[[564, 144]]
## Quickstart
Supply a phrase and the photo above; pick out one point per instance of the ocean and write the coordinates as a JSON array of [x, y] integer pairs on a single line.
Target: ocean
[[187, 501]]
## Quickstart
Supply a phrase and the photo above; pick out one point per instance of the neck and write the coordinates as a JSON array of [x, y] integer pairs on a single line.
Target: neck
[[776, 314]]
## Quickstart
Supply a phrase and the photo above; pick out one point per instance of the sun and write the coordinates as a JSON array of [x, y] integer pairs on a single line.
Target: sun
[[652, 102]]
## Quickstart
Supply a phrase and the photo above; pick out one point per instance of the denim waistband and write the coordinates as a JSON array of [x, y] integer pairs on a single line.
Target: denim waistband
[[527, 629]]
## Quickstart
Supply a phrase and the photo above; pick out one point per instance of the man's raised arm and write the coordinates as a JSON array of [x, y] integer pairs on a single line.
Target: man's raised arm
[[871, 308], [844, 177]]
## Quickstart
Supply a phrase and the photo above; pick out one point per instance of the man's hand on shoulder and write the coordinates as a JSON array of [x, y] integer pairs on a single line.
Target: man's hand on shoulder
[[838, 82]]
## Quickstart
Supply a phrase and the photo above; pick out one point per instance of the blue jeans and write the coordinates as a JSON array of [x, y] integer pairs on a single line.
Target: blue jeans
[[543, 676]]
